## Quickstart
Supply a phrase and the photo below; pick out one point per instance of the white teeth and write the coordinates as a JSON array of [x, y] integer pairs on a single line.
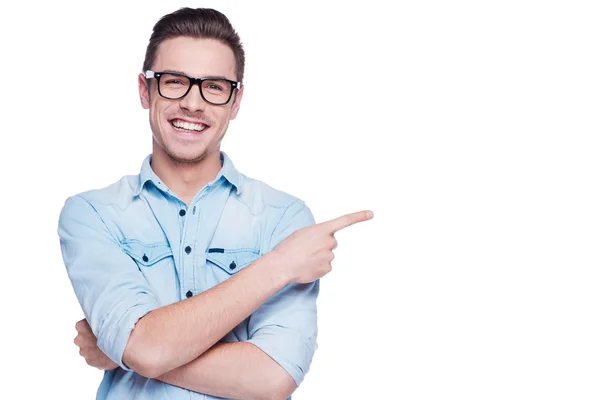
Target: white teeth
[[188, 126]]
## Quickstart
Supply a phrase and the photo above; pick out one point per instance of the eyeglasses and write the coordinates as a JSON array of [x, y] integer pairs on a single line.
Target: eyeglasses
[[175, 86]]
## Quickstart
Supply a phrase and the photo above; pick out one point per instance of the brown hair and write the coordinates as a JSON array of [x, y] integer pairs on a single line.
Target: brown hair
[[201, 23]]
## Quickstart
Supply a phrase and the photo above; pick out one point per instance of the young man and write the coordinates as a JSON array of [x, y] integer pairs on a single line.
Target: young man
[[195, 280]]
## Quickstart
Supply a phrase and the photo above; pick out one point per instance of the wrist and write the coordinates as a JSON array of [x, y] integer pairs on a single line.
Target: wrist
[[272, 267]]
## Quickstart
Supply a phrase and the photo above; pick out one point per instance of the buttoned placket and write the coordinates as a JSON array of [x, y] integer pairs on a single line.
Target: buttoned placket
[[188, 253], [192, 233], [184, 220], [197, 231]]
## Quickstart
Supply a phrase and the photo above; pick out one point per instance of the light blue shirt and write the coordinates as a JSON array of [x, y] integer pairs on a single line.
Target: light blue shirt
[[134, 246]]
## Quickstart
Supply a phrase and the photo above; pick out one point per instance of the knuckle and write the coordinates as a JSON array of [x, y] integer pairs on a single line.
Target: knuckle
[[331, 242], [80, 325]]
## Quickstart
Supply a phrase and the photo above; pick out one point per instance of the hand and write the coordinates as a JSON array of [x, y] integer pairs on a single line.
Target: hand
[[307, 253], [89, 349]]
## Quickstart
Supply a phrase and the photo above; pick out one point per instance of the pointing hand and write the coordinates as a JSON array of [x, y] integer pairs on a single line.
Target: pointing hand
[[306, 254]]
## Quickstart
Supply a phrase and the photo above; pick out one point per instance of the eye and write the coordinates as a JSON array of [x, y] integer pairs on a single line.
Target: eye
[[215, 86], [174, 81]]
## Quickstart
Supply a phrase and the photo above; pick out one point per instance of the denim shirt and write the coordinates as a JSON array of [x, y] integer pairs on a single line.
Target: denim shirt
[[134, 246]]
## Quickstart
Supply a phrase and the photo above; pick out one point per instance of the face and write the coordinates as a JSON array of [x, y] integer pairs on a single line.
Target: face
[[197, 58]]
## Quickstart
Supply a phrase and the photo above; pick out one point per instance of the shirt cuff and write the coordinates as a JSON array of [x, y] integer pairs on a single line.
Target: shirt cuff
[[287, 348], [113, 343]]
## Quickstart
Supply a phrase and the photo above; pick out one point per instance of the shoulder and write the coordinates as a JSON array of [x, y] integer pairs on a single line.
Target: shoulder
[[100, 209], [259, 196], [118, 194]]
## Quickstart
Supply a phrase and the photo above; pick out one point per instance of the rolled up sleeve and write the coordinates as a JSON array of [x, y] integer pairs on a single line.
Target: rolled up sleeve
[[111, 290], [285, 327]]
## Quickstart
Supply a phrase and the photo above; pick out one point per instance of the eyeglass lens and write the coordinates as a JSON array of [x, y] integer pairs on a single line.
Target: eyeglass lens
[[216, 91]]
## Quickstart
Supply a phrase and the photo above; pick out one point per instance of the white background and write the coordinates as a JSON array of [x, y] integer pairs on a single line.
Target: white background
[[470, 128]]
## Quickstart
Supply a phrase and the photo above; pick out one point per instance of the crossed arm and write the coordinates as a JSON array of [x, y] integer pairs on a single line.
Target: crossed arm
[[166, 345], [177, 344], [231, 370]]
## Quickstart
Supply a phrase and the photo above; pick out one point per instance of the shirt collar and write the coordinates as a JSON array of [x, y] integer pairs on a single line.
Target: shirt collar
[[230, 173], [227, 171]]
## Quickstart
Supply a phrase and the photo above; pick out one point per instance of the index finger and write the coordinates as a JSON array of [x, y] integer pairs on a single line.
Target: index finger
[[345, 221]]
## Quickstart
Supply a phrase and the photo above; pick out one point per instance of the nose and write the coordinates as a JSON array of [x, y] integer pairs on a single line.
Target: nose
[[193, 101]]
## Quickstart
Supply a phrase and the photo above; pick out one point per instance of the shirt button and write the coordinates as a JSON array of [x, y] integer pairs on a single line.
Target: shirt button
[[188, 249], [189, 294], [232, 265], [182, 212]]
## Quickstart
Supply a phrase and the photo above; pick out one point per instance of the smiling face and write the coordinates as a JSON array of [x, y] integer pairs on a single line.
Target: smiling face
[[190, 129]]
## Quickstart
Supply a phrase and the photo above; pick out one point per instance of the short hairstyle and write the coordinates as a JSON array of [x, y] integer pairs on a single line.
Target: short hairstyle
[[200, 23]]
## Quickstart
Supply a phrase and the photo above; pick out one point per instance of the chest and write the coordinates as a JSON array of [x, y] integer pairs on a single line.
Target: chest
[[185, 250]]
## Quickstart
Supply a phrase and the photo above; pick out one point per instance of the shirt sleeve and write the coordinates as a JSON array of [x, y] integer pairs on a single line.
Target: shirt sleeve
[[285, 327], [111, 290]]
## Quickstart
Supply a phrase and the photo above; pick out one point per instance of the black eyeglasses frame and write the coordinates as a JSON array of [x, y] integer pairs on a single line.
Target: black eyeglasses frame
[[193, 81]]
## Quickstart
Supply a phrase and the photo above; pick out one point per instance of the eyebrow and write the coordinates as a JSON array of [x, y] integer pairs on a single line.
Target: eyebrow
[[205, 77]]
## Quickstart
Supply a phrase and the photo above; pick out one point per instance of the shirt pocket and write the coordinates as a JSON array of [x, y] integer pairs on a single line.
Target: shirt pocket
[[156, 264], [146, 255], [231, 260]]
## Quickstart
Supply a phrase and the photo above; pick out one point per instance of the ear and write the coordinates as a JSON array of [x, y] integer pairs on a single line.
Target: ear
[[144, 91], [235, 107]]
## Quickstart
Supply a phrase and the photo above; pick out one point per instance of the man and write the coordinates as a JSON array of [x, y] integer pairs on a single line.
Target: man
[[197, 281]]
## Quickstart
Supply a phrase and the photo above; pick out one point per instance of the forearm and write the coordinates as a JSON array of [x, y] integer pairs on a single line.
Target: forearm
[[233, 370], [172, 336]]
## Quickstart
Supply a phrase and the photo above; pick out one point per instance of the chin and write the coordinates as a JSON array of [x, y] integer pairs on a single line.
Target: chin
[[186, 157]]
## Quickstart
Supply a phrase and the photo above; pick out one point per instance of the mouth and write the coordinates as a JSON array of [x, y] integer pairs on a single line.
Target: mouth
[[187, 126]]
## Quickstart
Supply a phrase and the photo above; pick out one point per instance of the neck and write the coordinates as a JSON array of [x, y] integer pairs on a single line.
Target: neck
[[185, 179]]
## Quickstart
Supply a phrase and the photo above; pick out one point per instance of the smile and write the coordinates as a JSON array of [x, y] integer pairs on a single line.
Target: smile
[[181, 125]]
